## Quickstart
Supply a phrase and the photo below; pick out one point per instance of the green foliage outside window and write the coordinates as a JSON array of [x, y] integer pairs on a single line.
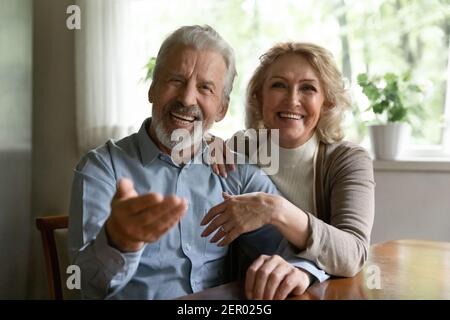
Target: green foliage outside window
[[388, 96], [150, 66], [372, 37]]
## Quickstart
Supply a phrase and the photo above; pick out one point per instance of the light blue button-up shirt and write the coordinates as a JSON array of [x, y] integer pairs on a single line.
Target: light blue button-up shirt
[[181, 261]]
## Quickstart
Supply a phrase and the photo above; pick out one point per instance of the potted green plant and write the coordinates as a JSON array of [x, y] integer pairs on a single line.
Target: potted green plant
[[386, 95]]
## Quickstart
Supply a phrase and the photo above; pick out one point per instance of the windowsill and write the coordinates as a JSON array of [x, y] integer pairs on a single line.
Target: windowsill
[[413, 164]]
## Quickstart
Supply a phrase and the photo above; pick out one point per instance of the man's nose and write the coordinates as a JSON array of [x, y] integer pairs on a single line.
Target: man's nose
[[188, 95]]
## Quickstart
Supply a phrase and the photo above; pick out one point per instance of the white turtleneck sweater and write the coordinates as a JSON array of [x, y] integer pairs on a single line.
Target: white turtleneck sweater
[[295, 177]]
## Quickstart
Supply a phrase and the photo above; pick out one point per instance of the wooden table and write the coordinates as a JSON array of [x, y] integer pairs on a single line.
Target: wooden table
[[409, 269]]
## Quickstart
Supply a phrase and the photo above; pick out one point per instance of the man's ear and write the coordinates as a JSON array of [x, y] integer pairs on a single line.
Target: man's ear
[[223, 110], [151, 93]]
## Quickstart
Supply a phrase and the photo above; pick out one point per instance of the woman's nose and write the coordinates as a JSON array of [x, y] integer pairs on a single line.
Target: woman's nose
[[293, 98]]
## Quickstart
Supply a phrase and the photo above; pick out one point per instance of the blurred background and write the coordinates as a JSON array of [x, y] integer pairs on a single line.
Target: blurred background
[[65, 89]]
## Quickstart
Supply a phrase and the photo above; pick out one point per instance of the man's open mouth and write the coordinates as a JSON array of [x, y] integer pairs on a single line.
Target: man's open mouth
[[184, 118]]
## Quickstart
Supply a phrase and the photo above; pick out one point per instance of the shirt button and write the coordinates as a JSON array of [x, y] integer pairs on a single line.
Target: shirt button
[[188, 247]]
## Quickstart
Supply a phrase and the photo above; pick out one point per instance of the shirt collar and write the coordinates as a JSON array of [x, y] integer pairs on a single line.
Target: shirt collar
[[149, 150]]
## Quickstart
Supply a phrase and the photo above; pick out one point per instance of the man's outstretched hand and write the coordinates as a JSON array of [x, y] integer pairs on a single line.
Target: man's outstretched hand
[[137, 219]]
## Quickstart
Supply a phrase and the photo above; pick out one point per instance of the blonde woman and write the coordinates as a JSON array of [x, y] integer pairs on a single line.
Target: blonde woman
[[327, 210]]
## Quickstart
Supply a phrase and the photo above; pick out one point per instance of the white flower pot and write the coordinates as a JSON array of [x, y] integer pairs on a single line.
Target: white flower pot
[[388, 140]]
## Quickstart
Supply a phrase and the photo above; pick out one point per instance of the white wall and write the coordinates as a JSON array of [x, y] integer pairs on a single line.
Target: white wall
[[15, 145], [54, 140], [412, 205]]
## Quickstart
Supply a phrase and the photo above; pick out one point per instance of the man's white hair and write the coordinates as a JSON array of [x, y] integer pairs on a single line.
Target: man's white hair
[[200, 38]]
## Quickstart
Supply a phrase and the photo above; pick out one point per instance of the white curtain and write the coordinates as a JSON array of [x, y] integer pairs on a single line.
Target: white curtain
[[106, 82], [446, 135]]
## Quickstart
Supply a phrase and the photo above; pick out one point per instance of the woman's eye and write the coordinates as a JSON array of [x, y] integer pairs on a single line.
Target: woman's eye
[[278, 85], [308, 88]]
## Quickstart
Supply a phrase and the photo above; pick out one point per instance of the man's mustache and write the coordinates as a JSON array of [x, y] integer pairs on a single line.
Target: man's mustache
[[178, 107]]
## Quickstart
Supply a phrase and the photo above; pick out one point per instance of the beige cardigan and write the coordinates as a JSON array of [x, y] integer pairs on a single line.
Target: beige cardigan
[[344, 202], [344, 197]]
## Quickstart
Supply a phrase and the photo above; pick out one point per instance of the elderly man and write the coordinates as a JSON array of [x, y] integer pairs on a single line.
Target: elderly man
[[135, 213]]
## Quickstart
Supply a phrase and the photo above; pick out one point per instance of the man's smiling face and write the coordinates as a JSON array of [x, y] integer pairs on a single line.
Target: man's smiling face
[[188, 89]]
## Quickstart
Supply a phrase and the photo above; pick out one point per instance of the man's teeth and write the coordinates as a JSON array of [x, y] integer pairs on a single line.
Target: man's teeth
[[183, 116], [290, 115]]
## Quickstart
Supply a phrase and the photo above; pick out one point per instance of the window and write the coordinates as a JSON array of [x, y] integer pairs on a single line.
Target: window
[[365, 36]]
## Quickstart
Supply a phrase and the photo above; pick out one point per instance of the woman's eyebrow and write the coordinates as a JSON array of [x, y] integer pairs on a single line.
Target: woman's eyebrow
[[302, 80]]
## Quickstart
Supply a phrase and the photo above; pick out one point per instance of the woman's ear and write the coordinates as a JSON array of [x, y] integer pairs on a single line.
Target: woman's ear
[[327, 105], [257, 97]]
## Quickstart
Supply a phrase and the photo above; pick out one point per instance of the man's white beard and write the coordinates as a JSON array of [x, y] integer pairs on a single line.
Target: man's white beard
[[181, 139], [187, 138], [162, 134]]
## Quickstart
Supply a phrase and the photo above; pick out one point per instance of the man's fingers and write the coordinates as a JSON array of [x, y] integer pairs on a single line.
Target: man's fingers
[[159, 210], [251, 275], [226, 196], [289, 283], [139, 203], [166, 221], [262, 276], [125, 189], [213, 212], [274, 281]]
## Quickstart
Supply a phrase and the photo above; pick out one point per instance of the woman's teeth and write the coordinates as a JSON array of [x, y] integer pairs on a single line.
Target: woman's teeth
[[290, 115]]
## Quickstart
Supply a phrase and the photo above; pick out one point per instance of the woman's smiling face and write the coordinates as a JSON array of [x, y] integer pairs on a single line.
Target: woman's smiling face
[[292, 97]]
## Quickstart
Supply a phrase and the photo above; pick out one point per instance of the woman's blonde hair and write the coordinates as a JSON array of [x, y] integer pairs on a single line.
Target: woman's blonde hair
[[336, 102]]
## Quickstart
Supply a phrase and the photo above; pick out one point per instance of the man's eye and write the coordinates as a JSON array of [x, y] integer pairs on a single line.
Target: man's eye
[[176, 81], [206, 88], [278, 85]]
